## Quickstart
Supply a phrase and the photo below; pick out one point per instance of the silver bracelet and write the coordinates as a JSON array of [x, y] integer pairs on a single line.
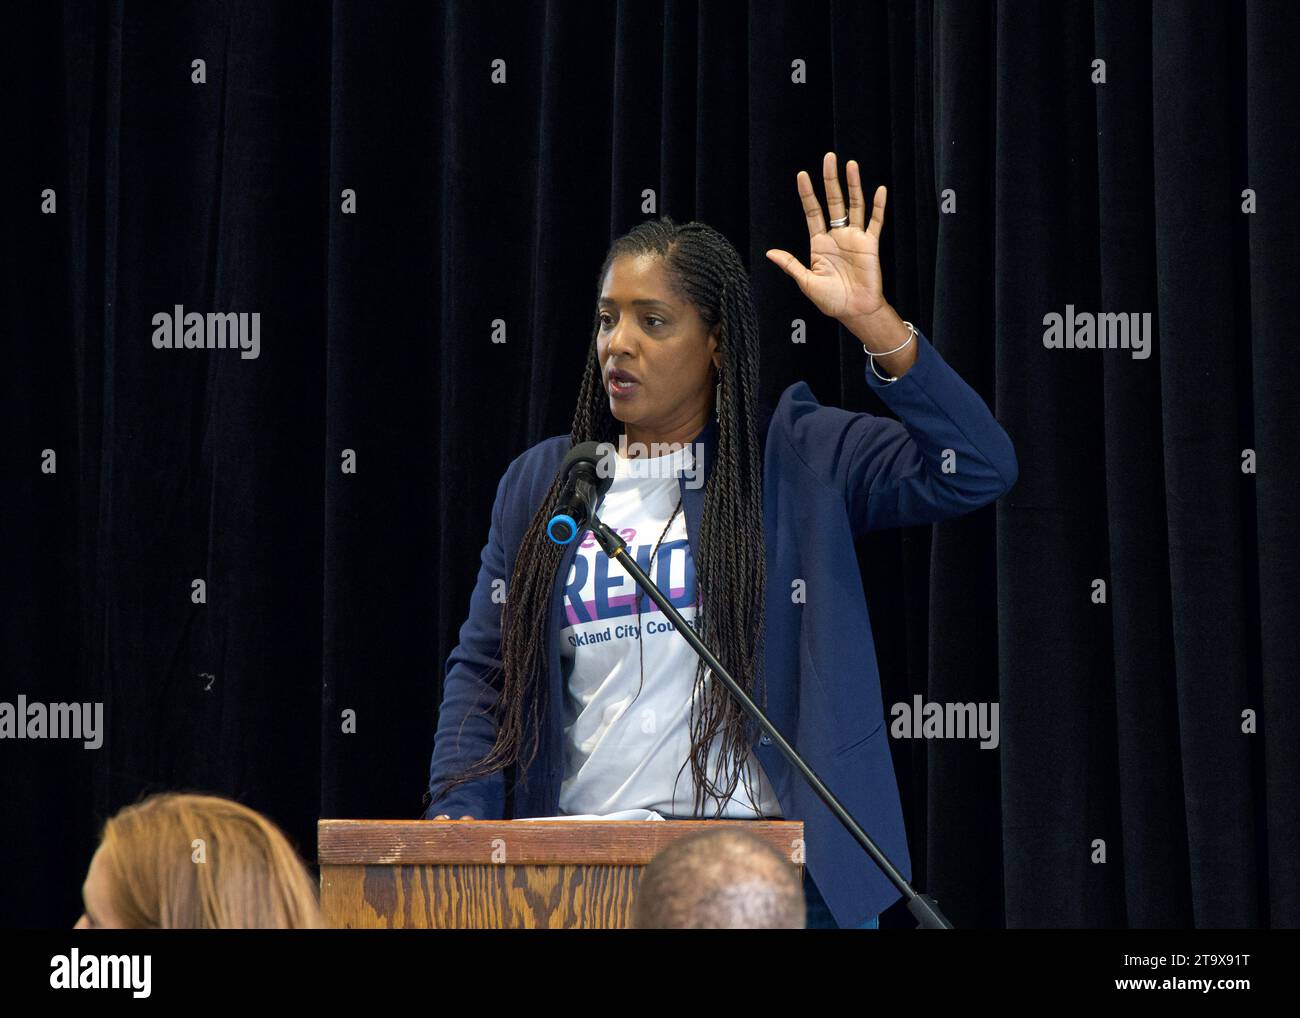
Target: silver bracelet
[[911, 334]]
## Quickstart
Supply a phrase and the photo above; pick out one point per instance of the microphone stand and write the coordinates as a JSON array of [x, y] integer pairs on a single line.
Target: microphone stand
[[922, 906]]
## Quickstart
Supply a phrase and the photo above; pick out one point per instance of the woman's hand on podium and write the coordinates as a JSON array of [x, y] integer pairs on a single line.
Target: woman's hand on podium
[[443, 816]]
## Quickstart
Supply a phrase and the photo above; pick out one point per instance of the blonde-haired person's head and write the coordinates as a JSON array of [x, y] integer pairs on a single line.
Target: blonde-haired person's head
[[183, 861]]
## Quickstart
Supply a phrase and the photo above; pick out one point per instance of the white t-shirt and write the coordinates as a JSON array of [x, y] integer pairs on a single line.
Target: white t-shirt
[[624, 750]]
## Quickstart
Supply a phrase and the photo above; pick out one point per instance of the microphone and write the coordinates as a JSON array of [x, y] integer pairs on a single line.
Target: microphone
[[588, 471]]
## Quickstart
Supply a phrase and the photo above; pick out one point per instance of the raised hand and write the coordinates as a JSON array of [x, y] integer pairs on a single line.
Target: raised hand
[[843, 278]]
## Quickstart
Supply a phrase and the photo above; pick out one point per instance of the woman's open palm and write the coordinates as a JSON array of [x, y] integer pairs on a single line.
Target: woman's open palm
[[843, 278]]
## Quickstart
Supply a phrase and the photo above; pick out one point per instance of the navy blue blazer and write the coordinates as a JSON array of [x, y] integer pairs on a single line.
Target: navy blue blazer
[[829, 476]]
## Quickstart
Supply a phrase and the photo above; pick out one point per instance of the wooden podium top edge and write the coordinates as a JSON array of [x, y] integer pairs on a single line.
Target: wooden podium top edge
[[527, 842]]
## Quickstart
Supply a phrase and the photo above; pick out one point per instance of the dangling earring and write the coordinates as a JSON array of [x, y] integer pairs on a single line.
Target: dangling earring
[[717, 399]]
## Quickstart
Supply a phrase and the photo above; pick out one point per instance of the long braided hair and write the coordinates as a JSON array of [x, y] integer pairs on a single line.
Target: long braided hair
[[705, 269]]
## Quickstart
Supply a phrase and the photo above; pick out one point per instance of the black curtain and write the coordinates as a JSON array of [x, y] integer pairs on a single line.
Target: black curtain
[[1148, 761]]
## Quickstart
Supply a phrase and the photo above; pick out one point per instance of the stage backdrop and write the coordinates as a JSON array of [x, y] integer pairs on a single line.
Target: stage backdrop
[[392, 186]]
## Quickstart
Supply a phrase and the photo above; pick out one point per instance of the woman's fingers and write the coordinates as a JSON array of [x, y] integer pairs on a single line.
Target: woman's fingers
[[789, 264], [831, 181], [812, 208], [857, 204], [443, 816], [877, 213]]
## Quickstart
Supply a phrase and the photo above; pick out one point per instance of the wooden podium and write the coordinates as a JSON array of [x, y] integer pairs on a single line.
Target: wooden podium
[[502, 874]]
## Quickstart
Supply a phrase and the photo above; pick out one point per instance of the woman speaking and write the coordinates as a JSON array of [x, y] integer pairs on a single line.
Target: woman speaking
[[568, 692]]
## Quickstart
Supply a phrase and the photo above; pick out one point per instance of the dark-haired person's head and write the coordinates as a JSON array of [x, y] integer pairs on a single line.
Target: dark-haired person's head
[[724, 879], [675, 315], [659, 356], [182, 861]]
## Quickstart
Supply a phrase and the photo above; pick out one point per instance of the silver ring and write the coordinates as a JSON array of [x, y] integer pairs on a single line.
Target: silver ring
[[840, 222]]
